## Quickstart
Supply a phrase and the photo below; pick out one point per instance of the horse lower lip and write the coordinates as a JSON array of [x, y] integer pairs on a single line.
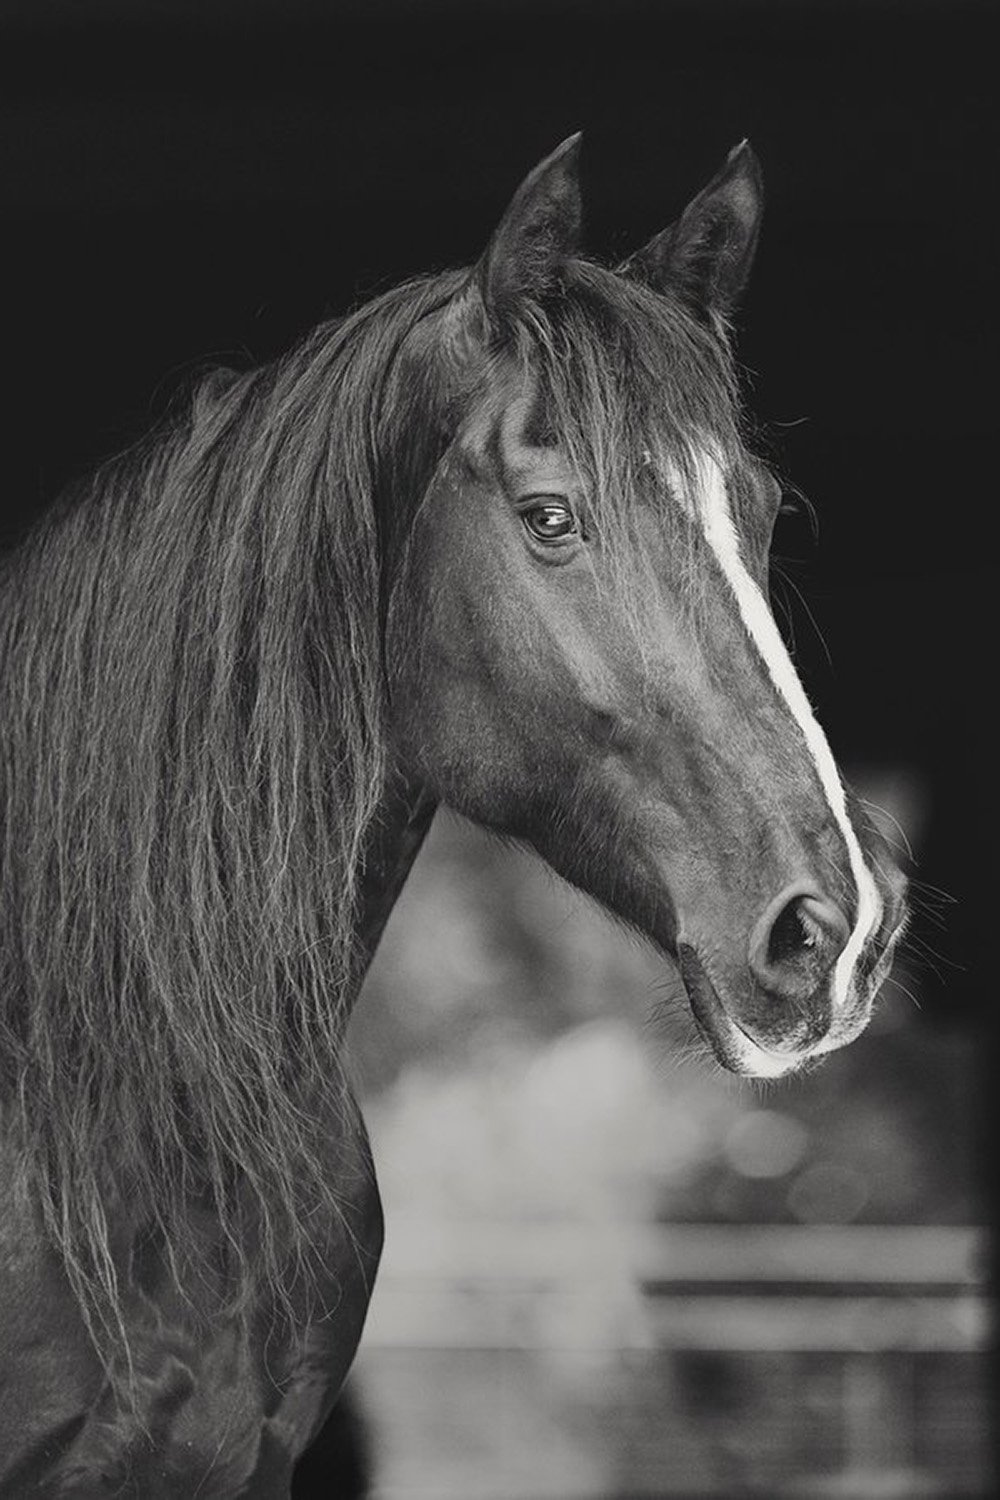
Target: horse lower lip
[[724, 1035], [706, 1006]]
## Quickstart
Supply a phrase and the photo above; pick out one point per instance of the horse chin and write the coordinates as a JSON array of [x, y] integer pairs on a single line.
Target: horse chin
[[731, 1046]]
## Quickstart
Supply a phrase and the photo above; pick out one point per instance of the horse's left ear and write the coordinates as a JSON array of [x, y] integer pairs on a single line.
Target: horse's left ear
[[537, 234], [707, 254]]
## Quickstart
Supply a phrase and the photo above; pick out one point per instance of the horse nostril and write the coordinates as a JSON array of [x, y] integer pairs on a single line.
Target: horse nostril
[[794, 929], [797, 941]]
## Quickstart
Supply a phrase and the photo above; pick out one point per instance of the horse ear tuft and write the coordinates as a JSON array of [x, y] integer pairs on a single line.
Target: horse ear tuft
[[707, 253], [537, 234]]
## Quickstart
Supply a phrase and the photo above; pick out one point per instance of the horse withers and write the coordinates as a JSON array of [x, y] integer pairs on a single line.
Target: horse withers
[[495, 540]]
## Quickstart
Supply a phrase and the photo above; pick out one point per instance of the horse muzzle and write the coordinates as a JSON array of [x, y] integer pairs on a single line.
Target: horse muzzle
[[772, 1015]]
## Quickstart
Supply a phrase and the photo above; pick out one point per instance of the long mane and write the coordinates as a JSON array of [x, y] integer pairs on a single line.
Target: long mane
[[192, 751], [191, 707]]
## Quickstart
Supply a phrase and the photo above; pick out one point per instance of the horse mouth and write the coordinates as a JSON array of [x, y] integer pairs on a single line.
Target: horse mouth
[[733, 1047]]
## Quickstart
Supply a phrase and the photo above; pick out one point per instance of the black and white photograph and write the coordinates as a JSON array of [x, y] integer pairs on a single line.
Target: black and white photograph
[[497, 784]]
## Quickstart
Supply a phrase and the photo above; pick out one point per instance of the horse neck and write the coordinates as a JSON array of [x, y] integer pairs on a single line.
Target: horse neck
[[397, 833]]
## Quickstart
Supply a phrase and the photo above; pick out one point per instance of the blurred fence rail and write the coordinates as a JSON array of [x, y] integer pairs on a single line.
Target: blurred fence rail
[[767, 1287], [572, 1361]]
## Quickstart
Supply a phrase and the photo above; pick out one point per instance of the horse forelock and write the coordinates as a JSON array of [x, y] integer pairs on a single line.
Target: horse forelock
[[631, 385]]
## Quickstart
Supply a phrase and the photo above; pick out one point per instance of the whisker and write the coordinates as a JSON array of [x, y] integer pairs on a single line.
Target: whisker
[[904, 989], [790, 583], [894, 822]]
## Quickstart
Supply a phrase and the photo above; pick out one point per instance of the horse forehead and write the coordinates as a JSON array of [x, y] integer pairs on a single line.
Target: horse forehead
[[504, 437], [510, 437]]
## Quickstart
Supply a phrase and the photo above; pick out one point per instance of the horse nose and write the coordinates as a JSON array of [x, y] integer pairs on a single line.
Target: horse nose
[[796, 942]]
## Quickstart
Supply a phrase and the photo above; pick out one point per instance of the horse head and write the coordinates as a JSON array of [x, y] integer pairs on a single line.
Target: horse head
[[580, 647]]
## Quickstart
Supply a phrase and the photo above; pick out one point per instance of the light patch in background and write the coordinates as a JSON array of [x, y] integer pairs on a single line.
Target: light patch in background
[[828, 1193], [573, 1212], [765, 1143]]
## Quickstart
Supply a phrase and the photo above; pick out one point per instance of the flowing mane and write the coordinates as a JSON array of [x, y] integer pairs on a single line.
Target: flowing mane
[[193, 751], [191, 707]]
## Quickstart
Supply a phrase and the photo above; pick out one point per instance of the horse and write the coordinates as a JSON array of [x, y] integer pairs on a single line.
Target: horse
[[497, 539]]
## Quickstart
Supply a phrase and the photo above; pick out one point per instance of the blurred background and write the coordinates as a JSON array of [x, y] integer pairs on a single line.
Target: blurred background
[[611, 1271]]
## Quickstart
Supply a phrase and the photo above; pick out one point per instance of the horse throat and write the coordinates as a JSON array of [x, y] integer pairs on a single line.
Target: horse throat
[[395, 838]]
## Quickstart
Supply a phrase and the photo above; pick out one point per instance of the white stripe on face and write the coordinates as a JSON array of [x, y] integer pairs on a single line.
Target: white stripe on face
[[716, 519]]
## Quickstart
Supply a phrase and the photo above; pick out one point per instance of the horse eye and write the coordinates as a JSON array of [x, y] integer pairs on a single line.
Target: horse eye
[[550, 522]]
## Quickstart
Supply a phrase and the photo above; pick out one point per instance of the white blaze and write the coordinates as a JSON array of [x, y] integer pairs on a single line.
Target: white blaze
[[755, 612]]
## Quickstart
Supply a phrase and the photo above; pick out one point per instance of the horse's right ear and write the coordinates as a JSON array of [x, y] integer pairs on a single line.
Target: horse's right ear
[[537, 234]]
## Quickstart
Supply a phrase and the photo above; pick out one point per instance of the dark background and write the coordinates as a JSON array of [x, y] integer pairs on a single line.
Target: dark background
[[189, 182]]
